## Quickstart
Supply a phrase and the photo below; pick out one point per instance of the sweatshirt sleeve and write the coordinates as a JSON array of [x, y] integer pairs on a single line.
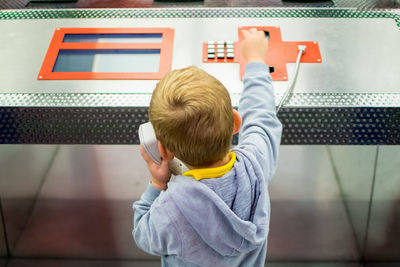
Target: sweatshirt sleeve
[[261, 130], [154, 230]]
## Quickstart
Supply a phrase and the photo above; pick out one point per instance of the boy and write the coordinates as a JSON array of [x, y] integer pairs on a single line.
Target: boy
[[217, 213]]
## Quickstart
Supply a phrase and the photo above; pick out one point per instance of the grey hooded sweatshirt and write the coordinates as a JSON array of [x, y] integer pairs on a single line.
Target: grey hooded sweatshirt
[[221, 221]]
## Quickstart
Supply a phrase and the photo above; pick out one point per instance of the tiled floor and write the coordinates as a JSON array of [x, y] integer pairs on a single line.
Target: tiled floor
[[23, 169], [84, 212], [308, 220], [384, 233], [84, 207]]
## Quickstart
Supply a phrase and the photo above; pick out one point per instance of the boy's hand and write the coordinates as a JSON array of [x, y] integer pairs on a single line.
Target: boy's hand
[[160, 173], [254, 46]]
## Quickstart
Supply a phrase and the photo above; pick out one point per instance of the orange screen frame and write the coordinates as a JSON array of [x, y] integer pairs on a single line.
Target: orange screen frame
[[57, 44]]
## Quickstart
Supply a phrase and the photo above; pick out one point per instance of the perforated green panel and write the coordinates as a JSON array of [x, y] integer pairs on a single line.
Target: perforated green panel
[[21, 4], [198, 13]]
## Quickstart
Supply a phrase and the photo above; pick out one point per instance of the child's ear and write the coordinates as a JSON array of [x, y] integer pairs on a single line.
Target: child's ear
[[237, 121], [164, 152]]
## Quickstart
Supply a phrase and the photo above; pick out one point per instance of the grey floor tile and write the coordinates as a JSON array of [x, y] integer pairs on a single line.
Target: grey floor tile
[[311, 264], [3, 248], [23, 168], [384, 228], [81, 263], [355, 170], [382, 264], [84, 209], [308, 218]]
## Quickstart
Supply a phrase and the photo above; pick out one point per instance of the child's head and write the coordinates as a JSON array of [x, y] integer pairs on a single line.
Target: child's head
[[192, 116]]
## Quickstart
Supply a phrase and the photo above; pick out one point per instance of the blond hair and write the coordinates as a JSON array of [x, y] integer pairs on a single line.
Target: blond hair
[[192, 116]]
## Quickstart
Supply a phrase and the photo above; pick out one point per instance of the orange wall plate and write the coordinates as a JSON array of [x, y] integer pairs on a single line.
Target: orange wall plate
[[57, 44], [279, 53]]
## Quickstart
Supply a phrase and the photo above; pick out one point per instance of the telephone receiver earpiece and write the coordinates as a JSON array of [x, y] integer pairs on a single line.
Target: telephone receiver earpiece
[[149, 142]]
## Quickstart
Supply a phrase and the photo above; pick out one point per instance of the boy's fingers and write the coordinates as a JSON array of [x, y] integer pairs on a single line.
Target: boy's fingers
[[245, 33], [253, 32], [144, 155], [164, 164], [259, 34]]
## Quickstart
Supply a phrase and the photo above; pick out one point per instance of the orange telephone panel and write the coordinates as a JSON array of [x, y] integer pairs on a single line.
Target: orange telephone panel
[[279, 52]]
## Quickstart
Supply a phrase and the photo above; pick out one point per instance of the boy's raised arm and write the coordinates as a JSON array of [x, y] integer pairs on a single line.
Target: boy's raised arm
[[261, 127]]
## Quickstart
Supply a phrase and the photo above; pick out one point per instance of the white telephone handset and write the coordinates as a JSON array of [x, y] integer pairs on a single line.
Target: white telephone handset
[[149, 142]]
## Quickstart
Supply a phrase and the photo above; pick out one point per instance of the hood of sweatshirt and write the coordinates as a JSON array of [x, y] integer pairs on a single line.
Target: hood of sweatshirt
[[230, 214]]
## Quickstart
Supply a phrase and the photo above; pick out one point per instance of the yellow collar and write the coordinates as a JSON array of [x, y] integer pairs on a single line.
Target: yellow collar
[[217, 172]]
